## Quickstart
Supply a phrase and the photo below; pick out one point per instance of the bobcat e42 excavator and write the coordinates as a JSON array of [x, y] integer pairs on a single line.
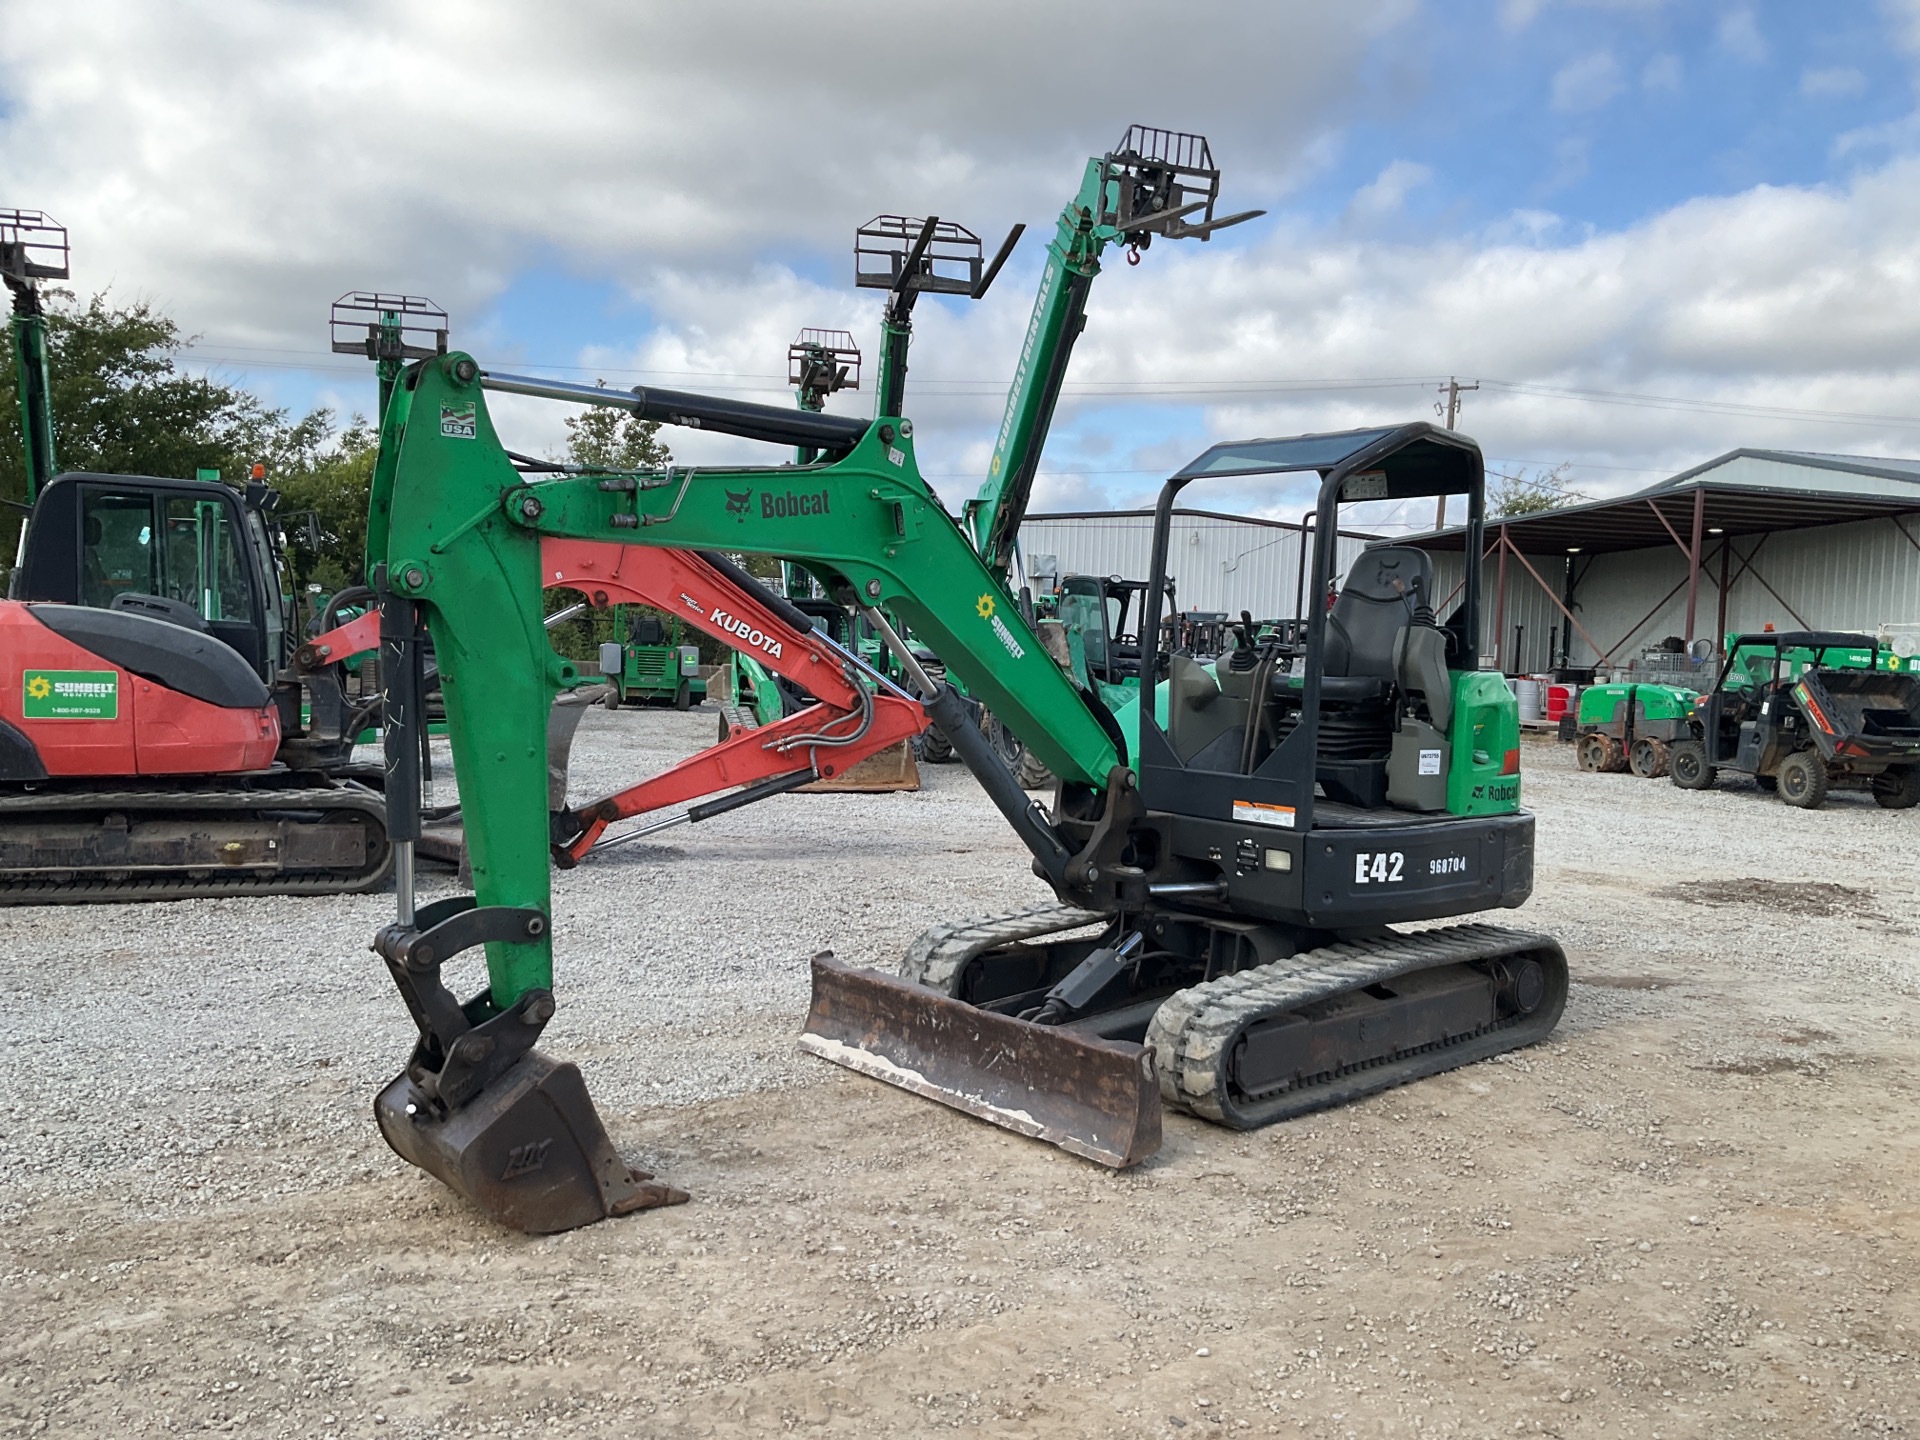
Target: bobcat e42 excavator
[[1221, 940]]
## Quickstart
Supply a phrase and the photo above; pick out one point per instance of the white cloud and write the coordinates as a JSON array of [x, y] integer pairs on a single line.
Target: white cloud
[[1738, 33], [250, 161], [1835, 82], [1782, 298], [248, 172], [1387, 192], [1903, 17], [1662, 75], [1587, 83]]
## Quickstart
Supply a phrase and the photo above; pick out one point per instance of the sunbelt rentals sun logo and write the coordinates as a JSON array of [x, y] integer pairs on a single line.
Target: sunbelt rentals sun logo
[[70, 694], [989, 612]]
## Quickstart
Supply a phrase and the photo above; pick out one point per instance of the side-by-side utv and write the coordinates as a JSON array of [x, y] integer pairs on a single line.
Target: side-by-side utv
[[1803, 734]]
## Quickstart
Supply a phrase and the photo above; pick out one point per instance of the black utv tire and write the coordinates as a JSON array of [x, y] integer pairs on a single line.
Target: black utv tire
[[683, 697], [1803, 780], [1032, 772], [1028, 770], [1897, 787], [933, 748], [1688, 768]]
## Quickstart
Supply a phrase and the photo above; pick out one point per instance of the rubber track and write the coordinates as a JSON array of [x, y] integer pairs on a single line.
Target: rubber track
[[940, 955], [1194, 1032], [182, 886]]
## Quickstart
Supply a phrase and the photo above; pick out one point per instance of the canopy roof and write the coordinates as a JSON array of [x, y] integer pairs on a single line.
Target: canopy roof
[[1381, 463], [1744, 492]]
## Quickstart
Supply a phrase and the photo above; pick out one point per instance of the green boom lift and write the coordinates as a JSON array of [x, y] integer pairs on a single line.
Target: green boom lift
[[33, 248], [1154, 183], [1220, 940]]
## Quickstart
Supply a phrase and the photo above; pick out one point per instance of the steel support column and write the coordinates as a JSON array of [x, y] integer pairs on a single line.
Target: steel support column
[[1564, 610], [1693, 558], [1720, 630], [1500, 606]]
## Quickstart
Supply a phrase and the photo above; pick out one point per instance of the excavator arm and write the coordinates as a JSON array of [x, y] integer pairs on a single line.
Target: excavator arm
[[858, 711], [456, 539]]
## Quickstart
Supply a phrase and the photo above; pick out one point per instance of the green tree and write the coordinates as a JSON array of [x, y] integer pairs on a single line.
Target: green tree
[[608, 439], [602, 438], [330, 482], [122, 406], [1524, 494]]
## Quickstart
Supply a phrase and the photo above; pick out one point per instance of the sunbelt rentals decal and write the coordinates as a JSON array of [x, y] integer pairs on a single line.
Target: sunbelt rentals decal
[[70, 694], [988, 612]]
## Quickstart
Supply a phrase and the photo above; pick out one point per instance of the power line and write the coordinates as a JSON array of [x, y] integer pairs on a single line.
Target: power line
[[1191, 390]]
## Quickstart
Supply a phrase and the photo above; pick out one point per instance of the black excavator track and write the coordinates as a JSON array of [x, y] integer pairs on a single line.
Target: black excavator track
[[161, 842], [1321, 1028], [938, 957], [1333, 1024]]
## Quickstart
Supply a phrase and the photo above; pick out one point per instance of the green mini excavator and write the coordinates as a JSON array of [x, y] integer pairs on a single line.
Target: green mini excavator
[[1225, 888]]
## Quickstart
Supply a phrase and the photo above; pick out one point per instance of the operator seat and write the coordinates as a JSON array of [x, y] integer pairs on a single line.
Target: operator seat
[[1385, 597], [1385, 588]]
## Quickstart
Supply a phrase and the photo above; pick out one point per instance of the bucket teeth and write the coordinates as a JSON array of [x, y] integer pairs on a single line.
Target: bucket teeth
[[1094, 1098]]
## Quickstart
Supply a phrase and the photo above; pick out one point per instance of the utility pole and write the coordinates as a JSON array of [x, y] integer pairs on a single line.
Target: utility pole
[[1452, 390]]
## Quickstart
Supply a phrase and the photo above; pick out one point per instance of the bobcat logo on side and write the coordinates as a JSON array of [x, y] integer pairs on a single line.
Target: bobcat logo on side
[[738, 502]]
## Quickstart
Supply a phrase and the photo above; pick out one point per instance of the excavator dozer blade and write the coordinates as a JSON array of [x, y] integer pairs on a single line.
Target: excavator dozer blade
[[528, 1151], [893, 768], [1095, 1098]]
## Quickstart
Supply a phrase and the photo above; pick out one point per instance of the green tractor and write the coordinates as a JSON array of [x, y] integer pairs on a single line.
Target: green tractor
[[1103, 652], [653, 665], [1631, 727]]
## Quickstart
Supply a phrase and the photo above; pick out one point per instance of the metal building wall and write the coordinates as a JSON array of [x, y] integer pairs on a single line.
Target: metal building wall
[[1529, 617], [1834, 577], [1217, 563]]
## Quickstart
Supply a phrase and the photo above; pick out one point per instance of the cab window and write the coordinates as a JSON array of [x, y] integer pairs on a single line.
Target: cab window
[[119, 555], [180, 547], [201, 564]]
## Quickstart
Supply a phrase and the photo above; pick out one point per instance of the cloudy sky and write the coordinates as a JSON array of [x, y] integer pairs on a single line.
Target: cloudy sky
[[1651, 230]]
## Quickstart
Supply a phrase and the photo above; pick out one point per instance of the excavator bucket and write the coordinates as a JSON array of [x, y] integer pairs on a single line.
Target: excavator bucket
[[528, 1151], [1094, 1098], [893, 768]]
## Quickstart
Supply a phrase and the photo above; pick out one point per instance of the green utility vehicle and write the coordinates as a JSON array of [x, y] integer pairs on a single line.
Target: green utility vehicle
[[653, 665], [1799, 725], [1631, 726]]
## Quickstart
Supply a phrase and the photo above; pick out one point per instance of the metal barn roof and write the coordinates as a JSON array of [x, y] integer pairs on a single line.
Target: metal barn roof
[[1743, 492]]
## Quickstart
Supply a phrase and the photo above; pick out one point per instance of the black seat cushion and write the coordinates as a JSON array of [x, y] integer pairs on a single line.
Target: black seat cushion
[[157, 650], [1383, 589]]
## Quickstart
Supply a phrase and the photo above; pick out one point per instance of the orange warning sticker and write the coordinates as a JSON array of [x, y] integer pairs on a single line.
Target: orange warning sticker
[[1254, 812]]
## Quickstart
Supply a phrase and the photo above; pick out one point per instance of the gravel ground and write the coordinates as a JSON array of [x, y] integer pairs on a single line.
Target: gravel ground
[[1690, 1213]]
